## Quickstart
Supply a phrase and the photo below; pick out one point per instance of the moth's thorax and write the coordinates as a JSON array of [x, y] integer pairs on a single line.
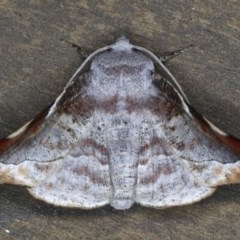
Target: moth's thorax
[[121, 74]]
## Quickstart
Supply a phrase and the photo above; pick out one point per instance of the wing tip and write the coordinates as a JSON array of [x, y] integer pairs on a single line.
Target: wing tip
[[29, 129], [208, 127]]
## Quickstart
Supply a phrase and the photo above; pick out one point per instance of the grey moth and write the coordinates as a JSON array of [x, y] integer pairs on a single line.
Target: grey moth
[[120, 133]]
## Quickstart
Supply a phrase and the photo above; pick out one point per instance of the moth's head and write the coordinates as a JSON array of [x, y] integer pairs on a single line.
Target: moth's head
[[122, 44], [122, 58]]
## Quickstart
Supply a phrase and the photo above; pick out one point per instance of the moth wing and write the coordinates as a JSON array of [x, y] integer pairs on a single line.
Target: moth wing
[[56, 157], [186, 159]]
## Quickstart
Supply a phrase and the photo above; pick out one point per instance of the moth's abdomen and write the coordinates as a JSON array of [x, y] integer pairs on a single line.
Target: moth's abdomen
[[123, 147], [123, 177]]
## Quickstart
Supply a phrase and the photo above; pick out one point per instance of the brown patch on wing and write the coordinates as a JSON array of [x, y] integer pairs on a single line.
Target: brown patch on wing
[[80, 106], [32, 129], [84, 170], [230, 141], [84, 105], [6, 179], [44, 168], [218, 170], [109, 105], [166, 88], [233, 177], [163, 169], [157, 146], [197, 168], [158, 105], [230, 177], [161, 105], [8, 175], [168, 101], [75, 101], [22, 171], [88, 147], [133, 104], [76, 88]]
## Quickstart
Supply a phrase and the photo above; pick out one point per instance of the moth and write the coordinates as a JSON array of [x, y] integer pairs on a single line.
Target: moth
[[120, 133]]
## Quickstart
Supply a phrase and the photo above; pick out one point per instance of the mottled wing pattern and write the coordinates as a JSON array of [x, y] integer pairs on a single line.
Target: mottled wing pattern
[[180, 164], [60, 161], [120, 133]]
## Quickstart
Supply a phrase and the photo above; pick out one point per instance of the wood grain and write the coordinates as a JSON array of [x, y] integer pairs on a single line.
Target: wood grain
[[36, 63]]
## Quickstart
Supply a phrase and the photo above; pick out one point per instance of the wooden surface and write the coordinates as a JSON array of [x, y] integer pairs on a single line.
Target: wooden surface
[[36, 63]]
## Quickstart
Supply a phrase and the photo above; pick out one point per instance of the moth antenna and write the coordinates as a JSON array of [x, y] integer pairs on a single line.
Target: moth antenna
[[174, 54], [82, 53]]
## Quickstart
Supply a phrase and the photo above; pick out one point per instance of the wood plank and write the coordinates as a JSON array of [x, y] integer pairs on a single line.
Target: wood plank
[[35, 65]]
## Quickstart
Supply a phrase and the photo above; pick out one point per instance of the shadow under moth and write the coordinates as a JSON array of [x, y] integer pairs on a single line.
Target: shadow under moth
[[120, 133]]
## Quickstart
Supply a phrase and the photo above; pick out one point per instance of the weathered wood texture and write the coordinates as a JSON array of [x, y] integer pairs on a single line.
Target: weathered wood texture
[[35, 64]]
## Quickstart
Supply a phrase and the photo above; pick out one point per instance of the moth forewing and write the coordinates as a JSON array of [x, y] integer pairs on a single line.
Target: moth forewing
[[120, 133]]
